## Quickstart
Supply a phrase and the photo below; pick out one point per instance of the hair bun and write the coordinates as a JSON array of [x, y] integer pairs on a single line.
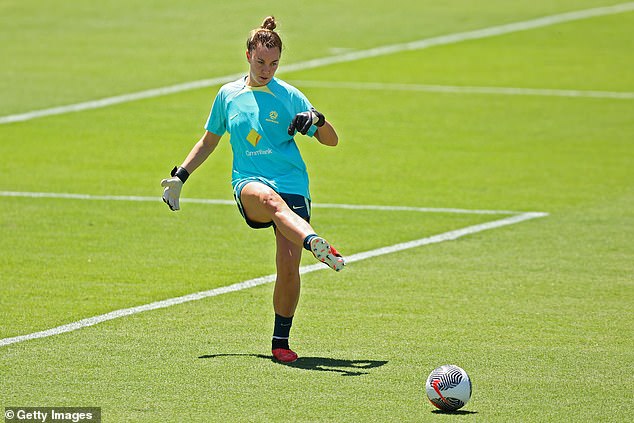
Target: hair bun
[[269, 23], [265, 36]]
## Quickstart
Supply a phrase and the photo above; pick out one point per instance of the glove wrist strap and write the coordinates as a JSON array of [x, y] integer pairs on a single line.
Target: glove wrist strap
[[181, 173], [318, 118]]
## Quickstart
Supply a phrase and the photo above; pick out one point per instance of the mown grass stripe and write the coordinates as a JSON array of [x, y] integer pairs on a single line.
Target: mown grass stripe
[[251, 283], [329, 60]]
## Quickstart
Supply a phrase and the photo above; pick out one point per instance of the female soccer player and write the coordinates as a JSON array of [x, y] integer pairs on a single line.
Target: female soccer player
[[270, 182]]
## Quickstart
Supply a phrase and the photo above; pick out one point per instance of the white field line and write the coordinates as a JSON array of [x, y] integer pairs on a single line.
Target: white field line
[[91, 321], [452, 89], [68, 196], [329, 60]]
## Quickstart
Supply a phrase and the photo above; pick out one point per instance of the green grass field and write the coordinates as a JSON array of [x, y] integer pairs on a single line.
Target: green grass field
[[540, 313]]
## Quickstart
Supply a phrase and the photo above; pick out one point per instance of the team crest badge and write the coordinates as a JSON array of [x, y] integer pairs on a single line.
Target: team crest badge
[[273, 117]]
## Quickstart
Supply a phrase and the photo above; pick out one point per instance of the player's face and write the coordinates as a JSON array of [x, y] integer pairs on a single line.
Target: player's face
[[263, 63]]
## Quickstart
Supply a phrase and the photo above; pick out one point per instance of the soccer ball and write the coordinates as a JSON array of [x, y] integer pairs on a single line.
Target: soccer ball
[[448, 387]]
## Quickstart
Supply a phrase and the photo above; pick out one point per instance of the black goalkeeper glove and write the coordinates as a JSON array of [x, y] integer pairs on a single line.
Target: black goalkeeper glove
[[303, 121]]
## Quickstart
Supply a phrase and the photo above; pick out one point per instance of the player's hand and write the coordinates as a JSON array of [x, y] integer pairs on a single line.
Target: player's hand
[[173, 186], [172, 192], [303, 121]]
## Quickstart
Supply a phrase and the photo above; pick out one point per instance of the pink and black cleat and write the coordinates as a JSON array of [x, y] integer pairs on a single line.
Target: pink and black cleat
[[326, 253], [284, 355]]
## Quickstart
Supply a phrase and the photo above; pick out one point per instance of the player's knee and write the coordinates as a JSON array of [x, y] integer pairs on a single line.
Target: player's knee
[[288, 275], [271, 201]]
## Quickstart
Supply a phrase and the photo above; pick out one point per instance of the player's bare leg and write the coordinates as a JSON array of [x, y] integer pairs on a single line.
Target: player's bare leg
[[262, 204], [285, 296], [287, 282]]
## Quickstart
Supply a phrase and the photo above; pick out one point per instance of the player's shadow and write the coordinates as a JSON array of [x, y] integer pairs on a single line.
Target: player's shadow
[[320, 364]]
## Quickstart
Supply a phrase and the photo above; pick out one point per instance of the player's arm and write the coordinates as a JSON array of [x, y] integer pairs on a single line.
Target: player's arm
[[199, 153], [203, 148], [327, 135]]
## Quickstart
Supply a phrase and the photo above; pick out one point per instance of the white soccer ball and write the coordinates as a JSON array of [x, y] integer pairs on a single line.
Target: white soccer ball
[[448, 387]]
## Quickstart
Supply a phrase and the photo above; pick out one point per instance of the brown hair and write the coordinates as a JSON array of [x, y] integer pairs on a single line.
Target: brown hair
[[265, 35]]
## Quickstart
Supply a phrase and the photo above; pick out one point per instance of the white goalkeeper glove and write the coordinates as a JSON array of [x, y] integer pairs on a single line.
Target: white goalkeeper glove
[[173, 186]]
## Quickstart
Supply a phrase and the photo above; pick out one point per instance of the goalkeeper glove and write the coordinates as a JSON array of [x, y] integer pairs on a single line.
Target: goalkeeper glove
[[302, 121], [173, 186]]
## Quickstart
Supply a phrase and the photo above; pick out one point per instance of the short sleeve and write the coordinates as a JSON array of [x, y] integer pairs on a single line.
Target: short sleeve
[[217, 121]]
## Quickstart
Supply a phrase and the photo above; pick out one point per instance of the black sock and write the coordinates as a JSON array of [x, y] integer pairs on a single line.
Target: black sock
[[281, 331], [280, 343], [307, 241]]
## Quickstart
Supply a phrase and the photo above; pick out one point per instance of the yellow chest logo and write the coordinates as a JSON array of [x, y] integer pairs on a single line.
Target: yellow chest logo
[[254, 137], [273, 117]]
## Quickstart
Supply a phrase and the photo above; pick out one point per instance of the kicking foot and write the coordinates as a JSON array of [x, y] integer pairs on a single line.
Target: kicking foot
[[327, 254], [284, 355]]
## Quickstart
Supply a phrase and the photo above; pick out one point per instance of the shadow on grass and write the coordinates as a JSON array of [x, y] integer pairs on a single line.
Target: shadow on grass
[[455, 413], [320, 364]]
